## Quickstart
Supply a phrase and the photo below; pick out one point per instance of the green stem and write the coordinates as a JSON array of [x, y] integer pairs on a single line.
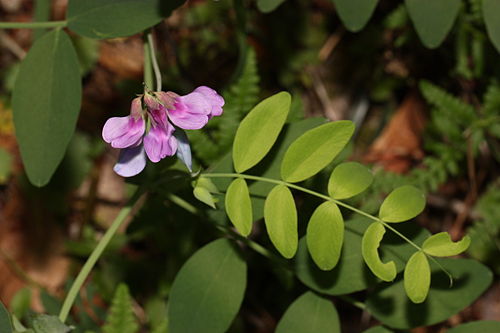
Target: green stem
[[154, 62], [94, 256], [33, 25], [326, 198], [148, 66]]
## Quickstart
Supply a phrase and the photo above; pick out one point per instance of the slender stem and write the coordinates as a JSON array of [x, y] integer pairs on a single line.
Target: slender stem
[[94, 256], [152, 54], [148, 66], [326, 198], [33, 25]]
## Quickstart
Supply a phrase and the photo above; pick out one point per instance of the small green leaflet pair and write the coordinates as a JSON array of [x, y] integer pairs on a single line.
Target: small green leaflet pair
[[304, 158]]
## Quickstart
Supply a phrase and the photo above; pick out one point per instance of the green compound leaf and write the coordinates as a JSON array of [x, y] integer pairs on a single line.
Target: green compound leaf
[[43, 323], [402, 204], [369, 248], [351, 273], [239, 206], [355, 13], [310, 313], [208, 290], [315, 149], [267, 6], [5, 322], [259, 130], [491, 8], [417, 277], [46, 103], [433, 19], [116, 18], [349, 179], [121, 318], [483, 326], [280, 217], [441, 245], [325, 235], [390, 305]]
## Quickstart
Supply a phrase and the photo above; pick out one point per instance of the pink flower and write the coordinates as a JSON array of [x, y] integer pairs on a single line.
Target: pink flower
[[160, 110]]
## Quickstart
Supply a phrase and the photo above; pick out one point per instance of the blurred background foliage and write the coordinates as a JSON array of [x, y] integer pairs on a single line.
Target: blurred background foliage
[[427, 117]]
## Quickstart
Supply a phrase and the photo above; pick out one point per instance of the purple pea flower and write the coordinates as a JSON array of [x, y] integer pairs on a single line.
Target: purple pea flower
[[161, 110]]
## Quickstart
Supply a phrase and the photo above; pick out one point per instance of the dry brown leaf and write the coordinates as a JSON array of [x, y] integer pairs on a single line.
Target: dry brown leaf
[[399, 145]]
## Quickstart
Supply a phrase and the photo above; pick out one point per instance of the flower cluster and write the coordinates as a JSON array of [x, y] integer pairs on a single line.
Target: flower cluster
[[149, 129]]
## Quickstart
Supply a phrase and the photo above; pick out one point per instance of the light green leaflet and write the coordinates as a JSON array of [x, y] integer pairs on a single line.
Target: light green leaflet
[[369, 248], [46, 103], [402, 204], [325, 235], [5, 322], [417, 277], [433, 19], [239, 206], [259, 130], [202, 194], [280, 217], [355, 13], [208, 290], [491, 8], [349, 179], [441, 245], [310, 313], [314, 150]]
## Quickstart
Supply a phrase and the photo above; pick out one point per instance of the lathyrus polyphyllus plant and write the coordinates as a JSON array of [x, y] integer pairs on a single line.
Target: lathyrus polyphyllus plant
[[149, 129]]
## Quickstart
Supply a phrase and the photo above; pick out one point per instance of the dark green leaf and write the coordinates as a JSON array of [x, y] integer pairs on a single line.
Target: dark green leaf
[[239, 206], [402, 204], [433, 19], [355, 13], [349, 179], [491, 8], [351, 273], [378, 329], [46, 103], [280, 216], [310, 313], [267, 6], [369, 248], [315, 149], [116, 18], [482, 326], [5, 322], [259, 130], [325, 235], [391, 306], [208, 290]]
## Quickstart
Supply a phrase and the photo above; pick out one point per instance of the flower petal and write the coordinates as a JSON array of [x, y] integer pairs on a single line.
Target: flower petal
[[213, 98], [123, 132], [160, 142], [131, 161], [191, 111], [183, 149]]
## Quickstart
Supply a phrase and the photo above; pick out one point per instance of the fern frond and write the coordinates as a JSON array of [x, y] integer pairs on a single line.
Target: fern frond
[[461, 112], [491, 100], [121, 318]]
